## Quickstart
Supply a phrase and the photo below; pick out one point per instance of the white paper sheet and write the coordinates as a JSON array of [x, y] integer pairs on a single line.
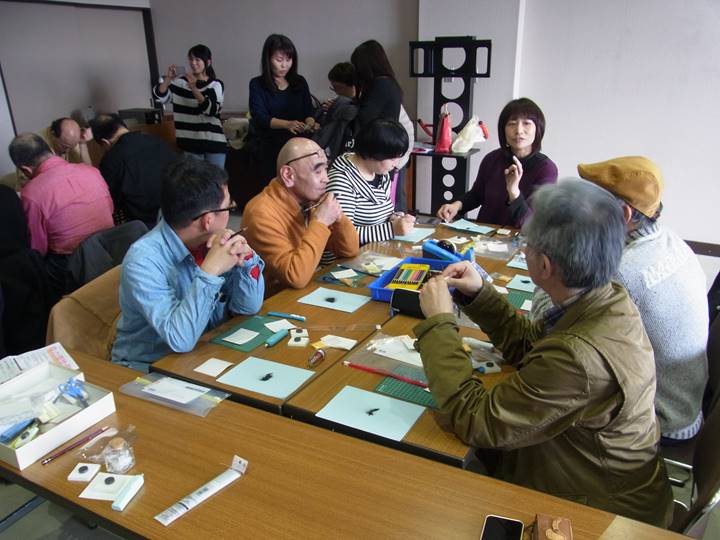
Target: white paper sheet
[[526, 305], [398, 350], [241, 336], [338, 342], [341, 274], [175, 390], [277, 326], [213, 367], [99, 490]]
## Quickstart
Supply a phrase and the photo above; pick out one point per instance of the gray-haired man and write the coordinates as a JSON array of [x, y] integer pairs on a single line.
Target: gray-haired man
[[576, 419]]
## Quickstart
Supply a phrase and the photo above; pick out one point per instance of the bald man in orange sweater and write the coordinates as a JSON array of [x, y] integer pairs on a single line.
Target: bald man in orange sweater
[[292, 221]]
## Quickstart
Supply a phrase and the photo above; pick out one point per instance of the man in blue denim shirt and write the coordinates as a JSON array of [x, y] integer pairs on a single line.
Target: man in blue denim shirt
[[189, 273]]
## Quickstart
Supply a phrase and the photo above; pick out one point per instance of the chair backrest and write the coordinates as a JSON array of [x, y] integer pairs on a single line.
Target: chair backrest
[[86, 320], [706, 474], [712, 392], [714, 298], [100, 252]]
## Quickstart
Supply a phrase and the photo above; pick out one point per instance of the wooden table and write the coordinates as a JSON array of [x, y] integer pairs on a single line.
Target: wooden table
[[426, 438], [430, 436], [302, 482], [366, 318]]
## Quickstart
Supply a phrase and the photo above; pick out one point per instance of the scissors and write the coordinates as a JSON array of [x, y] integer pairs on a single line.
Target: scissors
[[74, 391]]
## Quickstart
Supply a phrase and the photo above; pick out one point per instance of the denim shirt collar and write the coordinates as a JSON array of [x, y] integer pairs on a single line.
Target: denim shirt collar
[[177, 251]]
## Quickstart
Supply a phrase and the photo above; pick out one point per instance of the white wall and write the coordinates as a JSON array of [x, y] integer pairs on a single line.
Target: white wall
[[617, 77], [6, 132], [624, 77], [485, 19], [324, 32]]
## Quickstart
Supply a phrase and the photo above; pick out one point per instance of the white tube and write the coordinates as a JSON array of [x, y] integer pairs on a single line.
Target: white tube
[[184, 505]]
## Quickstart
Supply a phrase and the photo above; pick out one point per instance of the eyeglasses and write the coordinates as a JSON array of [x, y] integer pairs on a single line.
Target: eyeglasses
[[230, 208], [319, 153]]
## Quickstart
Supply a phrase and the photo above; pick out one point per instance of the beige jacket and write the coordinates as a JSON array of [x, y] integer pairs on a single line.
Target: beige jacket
[[576, 419]]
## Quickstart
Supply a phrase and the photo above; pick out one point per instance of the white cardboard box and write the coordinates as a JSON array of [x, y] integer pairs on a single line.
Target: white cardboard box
[[46, 376]]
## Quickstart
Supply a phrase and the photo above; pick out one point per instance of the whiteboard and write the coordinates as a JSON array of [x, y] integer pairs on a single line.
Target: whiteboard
[[59, 58]]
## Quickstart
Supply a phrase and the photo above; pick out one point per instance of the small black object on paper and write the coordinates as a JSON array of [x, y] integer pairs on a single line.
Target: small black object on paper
[[330, 299], [372, 411], [110, 480], [82, 469], [266, 377]]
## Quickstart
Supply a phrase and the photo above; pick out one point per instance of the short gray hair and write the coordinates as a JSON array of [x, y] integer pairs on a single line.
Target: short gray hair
[[580, 227], [28, 150]]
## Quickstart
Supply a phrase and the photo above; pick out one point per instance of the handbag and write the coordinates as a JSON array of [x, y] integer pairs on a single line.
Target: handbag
[[444, 136]]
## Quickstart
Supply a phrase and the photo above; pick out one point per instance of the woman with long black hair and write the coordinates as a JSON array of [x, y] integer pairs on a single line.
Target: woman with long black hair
[[280, 102]]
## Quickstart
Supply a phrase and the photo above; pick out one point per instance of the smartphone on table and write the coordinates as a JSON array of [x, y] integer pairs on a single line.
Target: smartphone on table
[[501, 528]]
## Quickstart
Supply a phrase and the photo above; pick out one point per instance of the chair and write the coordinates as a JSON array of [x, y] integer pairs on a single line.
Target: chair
[[682, 455], [714, 298], [692, 520], [100, 252], [86, 320]]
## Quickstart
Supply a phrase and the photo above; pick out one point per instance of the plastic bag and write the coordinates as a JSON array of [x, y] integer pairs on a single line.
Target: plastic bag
[[94, 451], [473, 132]]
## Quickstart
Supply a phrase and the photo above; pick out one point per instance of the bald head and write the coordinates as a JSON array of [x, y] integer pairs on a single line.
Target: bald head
[[296, 148], [67, 134], [28, 150], [302, 168]]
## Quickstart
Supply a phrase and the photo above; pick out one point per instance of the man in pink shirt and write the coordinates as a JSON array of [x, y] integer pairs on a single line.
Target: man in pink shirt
[[64, 202]]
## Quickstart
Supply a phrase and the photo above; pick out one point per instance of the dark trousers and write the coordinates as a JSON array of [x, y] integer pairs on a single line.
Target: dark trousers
[[56, 266]]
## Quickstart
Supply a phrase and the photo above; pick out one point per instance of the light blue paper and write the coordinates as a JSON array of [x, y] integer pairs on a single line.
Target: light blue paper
[[249, 373], [341, 301], [415, 236], [521, 283], [392, 419], [518, 261], [465, 225]]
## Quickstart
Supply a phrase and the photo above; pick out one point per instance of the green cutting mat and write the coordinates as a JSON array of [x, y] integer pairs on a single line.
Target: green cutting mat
[[256, 324], [406, 391], [516, 298]]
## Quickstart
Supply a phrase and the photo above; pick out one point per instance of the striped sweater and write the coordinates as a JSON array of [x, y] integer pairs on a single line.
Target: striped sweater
[[198, 128], [367, 206]]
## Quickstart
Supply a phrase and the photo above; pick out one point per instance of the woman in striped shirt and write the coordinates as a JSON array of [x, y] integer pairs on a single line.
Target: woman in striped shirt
[[360, 181], [197, 98]]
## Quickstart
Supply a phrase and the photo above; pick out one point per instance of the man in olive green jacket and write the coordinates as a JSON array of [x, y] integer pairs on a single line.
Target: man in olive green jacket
[[576, 419]]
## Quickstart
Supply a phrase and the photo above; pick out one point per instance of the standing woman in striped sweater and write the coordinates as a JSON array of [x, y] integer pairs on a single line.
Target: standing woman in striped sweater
[[360, 181], [197, 98]]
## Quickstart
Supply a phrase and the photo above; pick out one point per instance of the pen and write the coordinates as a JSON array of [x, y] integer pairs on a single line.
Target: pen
[[233, 235], [386, 373], [73, 445], [292, 316], [276, 338]]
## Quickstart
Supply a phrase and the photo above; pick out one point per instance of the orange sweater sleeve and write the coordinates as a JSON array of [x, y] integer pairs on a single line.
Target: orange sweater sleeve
[[344, 241]]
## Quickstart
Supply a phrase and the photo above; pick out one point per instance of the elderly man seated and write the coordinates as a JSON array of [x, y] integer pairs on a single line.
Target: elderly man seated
[[292, 221], [576, 419]]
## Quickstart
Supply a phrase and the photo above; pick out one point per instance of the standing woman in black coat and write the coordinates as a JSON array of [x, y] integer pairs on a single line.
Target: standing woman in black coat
[[379, 95]]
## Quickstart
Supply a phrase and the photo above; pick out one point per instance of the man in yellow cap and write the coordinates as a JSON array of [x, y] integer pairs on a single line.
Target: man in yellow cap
[[661, 273]]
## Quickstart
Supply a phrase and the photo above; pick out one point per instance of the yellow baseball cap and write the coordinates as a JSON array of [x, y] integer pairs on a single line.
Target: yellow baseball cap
[[634, 179]]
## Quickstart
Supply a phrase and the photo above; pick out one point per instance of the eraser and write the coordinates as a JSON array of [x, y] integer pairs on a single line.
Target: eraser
[[299, 332], [298, 342], [84, 472]]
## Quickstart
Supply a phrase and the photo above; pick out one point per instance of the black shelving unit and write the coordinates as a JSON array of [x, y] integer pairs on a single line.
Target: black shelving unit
[[426, 60]]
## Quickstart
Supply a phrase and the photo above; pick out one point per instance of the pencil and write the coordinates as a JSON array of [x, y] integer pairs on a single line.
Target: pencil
[[233, 235], [73, 445], [386, 373]]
